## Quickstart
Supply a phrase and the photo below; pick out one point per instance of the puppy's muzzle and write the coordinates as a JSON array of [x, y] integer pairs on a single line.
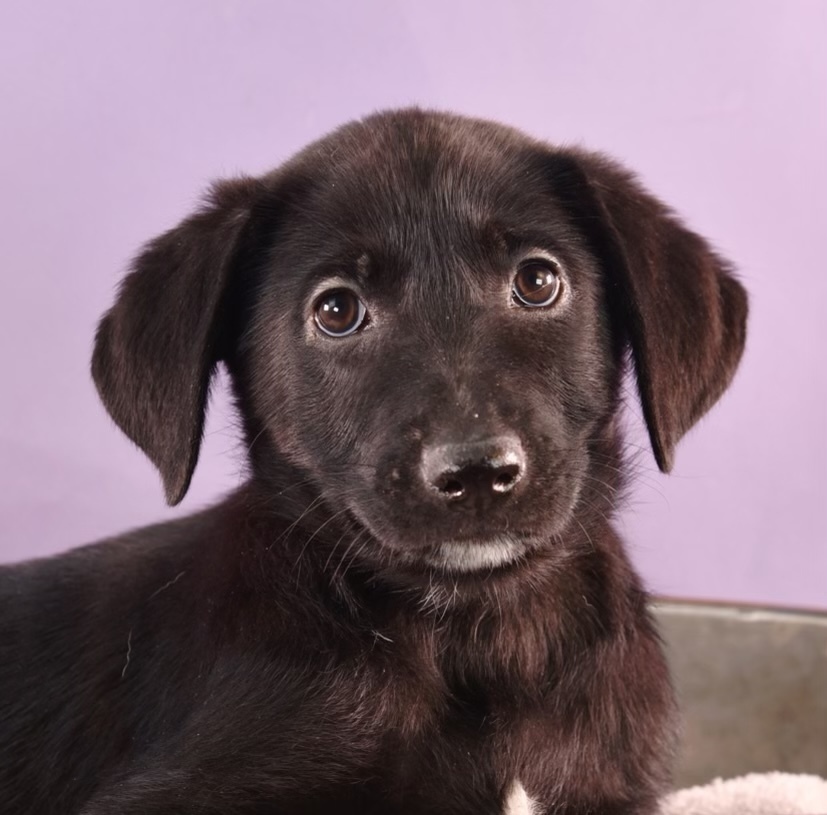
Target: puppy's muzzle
[[474, 474]]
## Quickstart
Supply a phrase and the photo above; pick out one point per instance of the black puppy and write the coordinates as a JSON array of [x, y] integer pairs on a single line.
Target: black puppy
[[417, 603]]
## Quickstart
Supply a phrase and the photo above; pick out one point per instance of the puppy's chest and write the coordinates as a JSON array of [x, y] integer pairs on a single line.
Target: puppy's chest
[[449, 723], [466, 752], [465, 761]]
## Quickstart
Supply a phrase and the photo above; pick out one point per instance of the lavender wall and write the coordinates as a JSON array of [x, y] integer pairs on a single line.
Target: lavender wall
[[115, 115]]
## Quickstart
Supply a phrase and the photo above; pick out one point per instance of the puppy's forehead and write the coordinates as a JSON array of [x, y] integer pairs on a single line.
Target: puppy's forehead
[[418, 183], [424, 149]]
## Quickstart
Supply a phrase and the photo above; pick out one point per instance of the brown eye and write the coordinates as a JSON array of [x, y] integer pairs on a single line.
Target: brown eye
[[339, 313], [537, 283]]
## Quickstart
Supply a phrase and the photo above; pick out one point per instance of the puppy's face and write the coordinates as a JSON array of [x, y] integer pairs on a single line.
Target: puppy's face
[[425, 316], [430, 343]]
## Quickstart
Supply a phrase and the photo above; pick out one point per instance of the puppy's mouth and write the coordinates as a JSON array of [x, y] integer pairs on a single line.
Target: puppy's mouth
[[474, 555], [463, 554]]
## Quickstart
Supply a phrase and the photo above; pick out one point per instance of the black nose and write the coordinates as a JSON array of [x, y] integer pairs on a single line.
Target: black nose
[[476, 472]]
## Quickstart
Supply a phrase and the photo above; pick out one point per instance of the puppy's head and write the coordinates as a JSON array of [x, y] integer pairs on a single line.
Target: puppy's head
[[426, 316]]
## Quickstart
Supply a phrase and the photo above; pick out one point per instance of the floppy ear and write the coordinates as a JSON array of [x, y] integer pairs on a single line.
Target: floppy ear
[[683, 312], [157, 347]]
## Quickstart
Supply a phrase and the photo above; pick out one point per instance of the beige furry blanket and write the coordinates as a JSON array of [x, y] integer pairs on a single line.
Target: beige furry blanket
[[756, 794]]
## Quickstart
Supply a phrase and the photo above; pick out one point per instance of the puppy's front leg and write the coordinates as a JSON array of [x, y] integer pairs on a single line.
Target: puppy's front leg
[[186, 792], [225, 790], [239, 783], [171, 792]]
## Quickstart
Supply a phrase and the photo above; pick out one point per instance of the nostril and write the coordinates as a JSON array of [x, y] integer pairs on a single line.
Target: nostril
[[503, 483], [451, 487], [506, 478]]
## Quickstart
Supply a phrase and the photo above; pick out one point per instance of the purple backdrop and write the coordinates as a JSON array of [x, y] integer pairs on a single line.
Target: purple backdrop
[[115, 115]]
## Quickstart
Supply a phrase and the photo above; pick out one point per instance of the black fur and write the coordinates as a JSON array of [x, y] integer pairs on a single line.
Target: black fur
[[298, 648]]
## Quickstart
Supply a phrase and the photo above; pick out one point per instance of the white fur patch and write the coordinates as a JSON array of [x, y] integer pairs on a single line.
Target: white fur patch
[[469, 556], [517, 801]]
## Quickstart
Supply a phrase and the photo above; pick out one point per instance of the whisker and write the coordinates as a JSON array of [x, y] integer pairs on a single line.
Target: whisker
[[310, 507]]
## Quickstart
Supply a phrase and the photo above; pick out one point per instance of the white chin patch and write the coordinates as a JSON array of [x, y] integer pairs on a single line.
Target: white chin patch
[[470, 556]]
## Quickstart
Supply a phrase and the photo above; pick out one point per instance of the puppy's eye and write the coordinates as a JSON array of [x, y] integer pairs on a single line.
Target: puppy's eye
[[537, 283], [339, 313]]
